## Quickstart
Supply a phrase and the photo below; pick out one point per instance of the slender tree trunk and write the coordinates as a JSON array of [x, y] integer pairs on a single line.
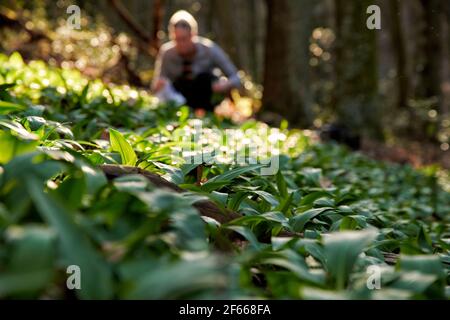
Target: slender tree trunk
[[226, 31], [356, 68], [253, 36], [158, 16], [286, 60], [431, 76], [445, 108], [276, 48], [398, 46]]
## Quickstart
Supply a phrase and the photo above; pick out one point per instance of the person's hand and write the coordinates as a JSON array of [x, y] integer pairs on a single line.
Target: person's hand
[[159, 85], [221, 87], [200, 112]]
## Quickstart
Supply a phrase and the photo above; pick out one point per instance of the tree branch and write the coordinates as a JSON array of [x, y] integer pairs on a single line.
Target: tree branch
[[133, 25], [206, 208]]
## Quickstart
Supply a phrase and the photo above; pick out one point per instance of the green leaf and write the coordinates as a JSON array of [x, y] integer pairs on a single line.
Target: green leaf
[[30, 269], [12, 146], [19, 130], [183, 114], [267, 197], [164, 280], [281, 185], [299, 221], [6, 86], [426, 264], [13, 283], [121, 145], [96, 276], [348, 223], [277, 217], [415, 282], [247, 234], [173, 174], [236, 200], [309, 293], [220, 198], [9, 107], [341, 252], [225, 178], [95, 179], [310, 198], [187, 168], [16, 61], [285, 204], [293, 262], [324, 202]]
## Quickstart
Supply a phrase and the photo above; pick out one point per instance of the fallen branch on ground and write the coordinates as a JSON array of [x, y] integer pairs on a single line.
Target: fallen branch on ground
[[206, 208]]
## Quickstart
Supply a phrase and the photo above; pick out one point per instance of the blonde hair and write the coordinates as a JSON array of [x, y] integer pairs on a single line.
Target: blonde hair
[[183, 19]]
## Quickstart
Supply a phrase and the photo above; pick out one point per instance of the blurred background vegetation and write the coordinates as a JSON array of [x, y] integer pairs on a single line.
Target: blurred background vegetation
[[316, 60]]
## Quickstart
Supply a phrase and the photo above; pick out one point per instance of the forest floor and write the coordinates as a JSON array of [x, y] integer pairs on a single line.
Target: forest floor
[[144, 218], [417, 154]]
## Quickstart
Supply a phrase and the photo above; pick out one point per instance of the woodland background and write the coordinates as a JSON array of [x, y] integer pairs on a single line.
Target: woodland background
[[311, 62]]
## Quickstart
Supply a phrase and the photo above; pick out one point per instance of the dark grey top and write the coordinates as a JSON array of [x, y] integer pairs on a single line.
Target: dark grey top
[[169, 63]]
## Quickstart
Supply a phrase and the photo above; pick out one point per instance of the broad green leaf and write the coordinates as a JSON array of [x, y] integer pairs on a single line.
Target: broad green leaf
[[176, 280], [236, 200], [247, 234], [13, 283], [15, 60], [426, 265], [299, 221], [310, 198], [293, 262], [414, 281], [341, 252], [220, 198], [173, 174], [121, 145], [19, 130], [187, 168], [183, 114], [8, 107], [267, 197], [225, 178], [285, 204], [12, 146], [31, 262], [96, 279], [281, 185]]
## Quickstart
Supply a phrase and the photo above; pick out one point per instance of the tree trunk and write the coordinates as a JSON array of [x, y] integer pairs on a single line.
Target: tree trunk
[[398, 46], [430, 85], [253, 37], [356, 69], [445, 108], [158, 16], [286, 69], [225, 29]]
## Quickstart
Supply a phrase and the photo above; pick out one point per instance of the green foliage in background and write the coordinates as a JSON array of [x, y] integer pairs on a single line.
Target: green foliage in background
[[309, 232]]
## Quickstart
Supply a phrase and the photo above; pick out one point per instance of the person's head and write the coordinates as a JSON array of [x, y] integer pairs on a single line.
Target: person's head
[[182, 28]]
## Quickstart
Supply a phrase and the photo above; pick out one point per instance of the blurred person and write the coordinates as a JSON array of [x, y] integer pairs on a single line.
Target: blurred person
[[185, 65]]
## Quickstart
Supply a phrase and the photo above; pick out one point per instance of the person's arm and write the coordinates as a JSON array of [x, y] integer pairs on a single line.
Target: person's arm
[[223, 62], [160, 73]]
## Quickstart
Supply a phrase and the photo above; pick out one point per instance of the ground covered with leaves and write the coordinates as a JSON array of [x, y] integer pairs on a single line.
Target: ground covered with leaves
[[313, 230]]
